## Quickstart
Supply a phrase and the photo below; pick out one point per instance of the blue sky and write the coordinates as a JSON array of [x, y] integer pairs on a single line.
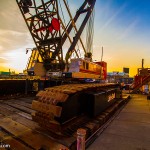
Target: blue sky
[[122, 27]]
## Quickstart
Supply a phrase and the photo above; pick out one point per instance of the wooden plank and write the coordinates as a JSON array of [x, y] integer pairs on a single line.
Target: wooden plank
[[1, 115], [8, 110], [19, 118], [27, 99], [32, 138], [5, 111], [13, 143], [22, 108], [28, 123], [19, 102], [47, 108]]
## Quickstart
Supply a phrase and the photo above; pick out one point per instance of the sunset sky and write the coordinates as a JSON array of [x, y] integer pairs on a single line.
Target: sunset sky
[[122, 27]]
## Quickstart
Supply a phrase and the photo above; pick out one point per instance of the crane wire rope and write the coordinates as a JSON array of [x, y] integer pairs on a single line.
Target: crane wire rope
[[62, 12], [64, 21], [90, 33]]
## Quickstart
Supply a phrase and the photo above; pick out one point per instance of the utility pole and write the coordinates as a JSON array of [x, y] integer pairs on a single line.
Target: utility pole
[[142, 63], [102, 54]]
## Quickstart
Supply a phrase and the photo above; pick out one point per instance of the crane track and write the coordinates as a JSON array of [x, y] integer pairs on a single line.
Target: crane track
[[51, 104], [20, 129]]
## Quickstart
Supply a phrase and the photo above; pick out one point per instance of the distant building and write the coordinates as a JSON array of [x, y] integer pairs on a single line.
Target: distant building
[[4, 73], [114, 77], [126, 70]]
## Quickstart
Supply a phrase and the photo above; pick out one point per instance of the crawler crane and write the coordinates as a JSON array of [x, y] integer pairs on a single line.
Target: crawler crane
[[62, 109]]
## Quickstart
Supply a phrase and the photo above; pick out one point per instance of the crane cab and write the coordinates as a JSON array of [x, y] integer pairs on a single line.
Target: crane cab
[[84, 69]]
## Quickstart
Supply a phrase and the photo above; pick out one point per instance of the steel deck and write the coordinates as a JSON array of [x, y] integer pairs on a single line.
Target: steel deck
[[130, 130]]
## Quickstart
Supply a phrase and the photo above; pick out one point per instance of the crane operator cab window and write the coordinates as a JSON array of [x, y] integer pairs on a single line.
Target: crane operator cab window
[[87, 65]]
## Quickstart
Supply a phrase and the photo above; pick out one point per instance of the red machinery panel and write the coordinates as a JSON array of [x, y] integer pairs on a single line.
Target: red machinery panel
[[104, 65]]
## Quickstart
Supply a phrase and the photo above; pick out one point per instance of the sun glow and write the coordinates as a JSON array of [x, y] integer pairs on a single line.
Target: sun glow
[[17, 60]]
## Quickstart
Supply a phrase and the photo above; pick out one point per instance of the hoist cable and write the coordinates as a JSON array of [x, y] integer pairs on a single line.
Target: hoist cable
[[90, 33], [62, 13]]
